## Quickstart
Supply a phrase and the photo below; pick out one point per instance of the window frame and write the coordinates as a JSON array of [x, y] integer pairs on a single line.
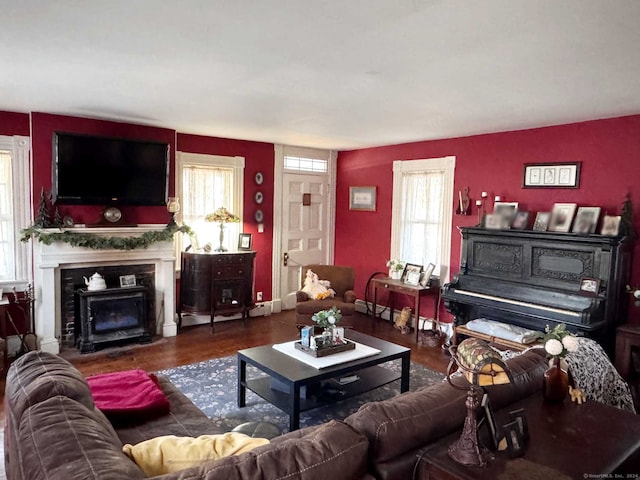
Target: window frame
[[442, 164], [20, 148], [204, 160]]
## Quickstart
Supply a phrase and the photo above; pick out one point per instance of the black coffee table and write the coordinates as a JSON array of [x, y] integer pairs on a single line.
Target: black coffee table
[[294, 374]]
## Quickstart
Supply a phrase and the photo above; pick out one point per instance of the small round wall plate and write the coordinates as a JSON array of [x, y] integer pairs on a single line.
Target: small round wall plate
[[259, 178], [258, 197], [258, 216]]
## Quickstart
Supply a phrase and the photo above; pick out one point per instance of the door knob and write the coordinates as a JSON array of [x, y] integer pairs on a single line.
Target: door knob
[[286, 258]]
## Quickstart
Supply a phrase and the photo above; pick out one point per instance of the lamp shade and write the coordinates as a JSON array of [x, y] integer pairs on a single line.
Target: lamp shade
[[480, 364]]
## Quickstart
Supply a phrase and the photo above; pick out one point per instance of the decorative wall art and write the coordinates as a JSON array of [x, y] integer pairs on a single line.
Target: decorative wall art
[[362, 198], [562, 216], [551, 175]]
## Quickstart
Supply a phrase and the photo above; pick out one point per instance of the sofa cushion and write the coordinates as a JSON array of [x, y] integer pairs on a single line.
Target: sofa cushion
[[413, 419], [331, 451], [85, 446], [37, 376], [409, 420], [169, 453], [131, 396]]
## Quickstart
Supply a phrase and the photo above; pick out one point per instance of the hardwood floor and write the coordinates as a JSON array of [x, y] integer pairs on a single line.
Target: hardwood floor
[[197, 343]]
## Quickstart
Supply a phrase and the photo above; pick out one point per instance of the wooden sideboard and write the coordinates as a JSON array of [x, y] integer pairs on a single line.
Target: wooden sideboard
[[216, 284]]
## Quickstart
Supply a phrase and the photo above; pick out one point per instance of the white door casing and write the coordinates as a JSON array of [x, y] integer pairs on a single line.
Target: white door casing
[[305, 233]]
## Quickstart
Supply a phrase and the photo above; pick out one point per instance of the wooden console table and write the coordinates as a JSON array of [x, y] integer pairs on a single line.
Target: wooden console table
[[216, 284], [399, 287], [567, 441]]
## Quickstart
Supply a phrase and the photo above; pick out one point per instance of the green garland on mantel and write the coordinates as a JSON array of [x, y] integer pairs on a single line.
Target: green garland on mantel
[[97, 242]]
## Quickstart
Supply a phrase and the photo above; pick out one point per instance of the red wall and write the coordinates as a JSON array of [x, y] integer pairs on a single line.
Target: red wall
[[43, 126], [12, 123], [608, 149], [259, 157]]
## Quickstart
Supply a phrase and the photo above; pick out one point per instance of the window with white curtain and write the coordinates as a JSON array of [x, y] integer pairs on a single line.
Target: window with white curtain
[[205, 183], [15, 210], [7, 233], [422, 212]]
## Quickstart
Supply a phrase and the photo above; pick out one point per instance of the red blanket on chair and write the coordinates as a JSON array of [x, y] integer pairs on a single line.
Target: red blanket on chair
[[130, 395]]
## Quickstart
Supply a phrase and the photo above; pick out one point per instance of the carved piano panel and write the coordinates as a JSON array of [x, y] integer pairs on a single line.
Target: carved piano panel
[[533, 279]]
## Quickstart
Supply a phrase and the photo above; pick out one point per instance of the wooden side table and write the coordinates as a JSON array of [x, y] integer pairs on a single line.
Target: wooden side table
[[568, 440], [399, 287], [627, 337]]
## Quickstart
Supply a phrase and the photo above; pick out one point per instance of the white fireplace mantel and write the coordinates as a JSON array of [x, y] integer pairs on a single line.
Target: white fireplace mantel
[[50, 259]]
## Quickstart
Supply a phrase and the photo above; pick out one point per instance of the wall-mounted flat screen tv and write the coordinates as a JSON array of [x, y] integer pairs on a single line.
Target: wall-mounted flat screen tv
[[90, 170]]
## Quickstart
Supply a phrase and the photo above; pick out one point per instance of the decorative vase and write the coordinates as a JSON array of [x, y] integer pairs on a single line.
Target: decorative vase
[[395, 274], [555, 383]]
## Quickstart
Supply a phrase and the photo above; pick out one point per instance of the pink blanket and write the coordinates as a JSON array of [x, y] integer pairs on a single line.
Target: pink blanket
[[128, 395]]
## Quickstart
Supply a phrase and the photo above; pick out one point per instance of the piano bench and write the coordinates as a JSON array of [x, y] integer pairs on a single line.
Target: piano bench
[[500, 343]]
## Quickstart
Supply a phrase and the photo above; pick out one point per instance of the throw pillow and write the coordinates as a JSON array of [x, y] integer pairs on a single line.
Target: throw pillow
[[128, 396], [168, 454]]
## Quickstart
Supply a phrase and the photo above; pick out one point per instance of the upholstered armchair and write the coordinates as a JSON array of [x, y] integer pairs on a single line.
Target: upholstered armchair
[[342, 281]]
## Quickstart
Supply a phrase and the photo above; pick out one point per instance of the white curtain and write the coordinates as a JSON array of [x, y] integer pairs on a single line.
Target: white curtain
[[7, 266], [204, 190], [422, 214]]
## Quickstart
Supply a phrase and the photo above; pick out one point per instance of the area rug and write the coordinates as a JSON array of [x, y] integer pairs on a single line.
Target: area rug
[[211, 386]]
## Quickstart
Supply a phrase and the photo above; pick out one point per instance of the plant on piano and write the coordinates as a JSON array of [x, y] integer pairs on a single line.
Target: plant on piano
[[558, 341]]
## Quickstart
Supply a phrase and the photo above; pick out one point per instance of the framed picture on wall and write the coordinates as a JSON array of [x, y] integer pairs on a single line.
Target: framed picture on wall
[[362, 198], [551, 175]]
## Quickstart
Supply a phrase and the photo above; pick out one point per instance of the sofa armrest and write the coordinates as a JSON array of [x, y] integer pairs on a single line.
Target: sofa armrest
[[301, 296], [350, 296]]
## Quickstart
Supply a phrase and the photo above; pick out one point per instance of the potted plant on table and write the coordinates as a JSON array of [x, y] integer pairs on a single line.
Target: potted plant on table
[[396, 267], [328, 320]]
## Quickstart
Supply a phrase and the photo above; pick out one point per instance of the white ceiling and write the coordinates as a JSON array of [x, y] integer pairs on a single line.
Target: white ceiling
[[338, 74]]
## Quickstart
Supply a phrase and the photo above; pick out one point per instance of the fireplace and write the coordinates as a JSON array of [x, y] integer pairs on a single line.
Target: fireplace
[[51, 262], [112, 315]]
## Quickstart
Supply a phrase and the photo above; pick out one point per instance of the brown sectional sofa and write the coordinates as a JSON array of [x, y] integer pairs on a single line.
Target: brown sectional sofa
[[54, 431]]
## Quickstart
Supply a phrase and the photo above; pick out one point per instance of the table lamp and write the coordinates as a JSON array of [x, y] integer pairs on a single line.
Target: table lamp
[[482, 366], [222, 216]]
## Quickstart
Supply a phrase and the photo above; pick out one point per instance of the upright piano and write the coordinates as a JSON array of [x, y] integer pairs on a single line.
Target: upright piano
[[533, 279]]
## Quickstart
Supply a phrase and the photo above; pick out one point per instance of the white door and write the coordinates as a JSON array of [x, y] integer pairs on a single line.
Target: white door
[[305, 237]]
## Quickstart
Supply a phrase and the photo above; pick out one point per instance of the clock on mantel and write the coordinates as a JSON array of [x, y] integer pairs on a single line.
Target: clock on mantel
[[111, 217]]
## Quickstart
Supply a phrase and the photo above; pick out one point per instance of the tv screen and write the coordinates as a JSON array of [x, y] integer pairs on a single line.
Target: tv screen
[[89, 170]]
